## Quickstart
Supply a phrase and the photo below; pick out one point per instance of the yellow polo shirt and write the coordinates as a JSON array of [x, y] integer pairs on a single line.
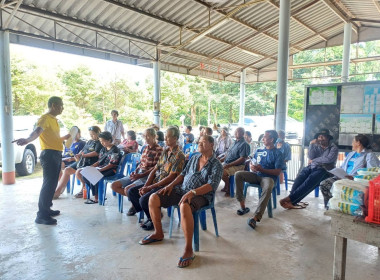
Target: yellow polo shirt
[[50, 138]]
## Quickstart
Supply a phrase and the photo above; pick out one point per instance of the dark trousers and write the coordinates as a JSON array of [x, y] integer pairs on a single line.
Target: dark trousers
[[306, 182], [51, 166], [95, 188], [140, 202]]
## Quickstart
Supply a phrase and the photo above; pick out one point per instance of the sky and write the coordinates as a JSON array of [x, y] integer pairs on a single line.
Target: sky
[[102, 69]]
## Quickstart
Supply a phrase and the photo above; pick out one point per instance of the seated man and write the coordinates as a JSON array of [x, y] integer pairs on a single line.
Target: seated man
[[192, 190], [322, 157], [265, 166], [168, 167], [234, 159], [149, 159]]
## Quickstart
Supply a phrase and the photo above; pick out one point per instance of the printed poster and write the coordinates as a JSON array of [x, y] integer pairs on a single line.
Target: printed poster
[[352, 99], [323, 96], [356, 123]]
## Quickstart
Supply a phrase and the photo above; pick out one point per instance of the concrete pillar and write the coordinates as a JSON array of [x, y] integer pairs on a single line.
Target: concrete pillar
[[242, 97], [346, 52], [282, 64], [6, 115], [157, 93]]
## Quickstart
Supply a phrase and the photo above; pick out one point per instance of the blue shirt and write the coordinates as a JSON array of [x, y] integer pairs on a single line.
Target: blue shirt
[[363, 160], [351, 162], [238, 150], [75, 148], [211, 173], [269, 159]]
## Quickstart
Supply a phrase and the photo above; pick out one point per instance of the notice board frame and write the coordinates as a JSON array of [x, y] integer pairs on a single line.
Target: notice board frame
[[321, 116]]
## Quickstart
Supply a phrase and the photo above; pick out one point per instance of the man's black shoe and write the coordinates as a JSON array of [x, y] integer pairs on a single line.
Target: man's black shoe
[[53, 213], [46, 221]]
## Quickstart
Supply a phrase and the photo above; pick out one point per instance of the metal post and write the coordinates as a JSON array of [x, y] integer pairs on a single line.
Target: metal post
[[209, 111], [346, 52], [8, 161], [157, 93], [282, 64], [242, 97]]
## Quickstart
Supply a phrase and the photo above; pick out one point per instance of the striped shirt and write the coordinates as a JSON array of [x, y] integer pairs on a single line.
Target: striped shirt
[[150, 157], [211, 173], [169, 162]]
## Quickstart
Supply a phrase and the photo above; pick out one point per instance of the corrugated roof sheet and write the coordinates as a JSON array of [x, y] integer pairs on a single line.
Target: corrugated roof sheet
[[180, 29]]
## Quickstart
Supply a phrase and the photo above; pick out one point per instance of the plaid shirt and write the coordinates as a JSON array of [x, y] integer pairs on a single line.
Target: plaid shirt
[[211, 173], [150, 157], [169, 162]]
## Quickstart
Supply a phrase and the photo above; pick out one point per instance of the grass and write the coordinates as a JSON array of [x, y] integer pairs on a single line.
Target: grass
[[36, 174]]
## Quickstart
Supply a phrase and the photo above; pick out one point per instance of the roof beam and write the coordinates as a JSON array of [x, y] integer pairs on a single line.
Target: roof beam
[[365, 20], [377, 4], [335, 9], [299, 21], [259, 31]]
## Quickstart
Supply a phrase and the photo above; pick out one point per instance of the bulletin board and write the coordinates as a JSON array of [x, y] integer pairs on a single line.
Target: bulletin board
[[346, 109]]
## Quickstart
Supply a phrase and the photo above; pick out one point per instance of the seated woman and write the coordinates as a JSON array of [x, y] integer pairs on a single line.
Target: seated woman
[[75, 148], [109, 158], [130, 144], [87, 156], [360, 157], [223, 143]]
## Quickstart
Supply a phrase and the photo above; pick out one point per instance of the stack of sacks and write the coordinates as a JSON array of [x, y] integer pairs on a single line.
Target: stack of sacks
[[348, 197], [369, 171], [364, 178]]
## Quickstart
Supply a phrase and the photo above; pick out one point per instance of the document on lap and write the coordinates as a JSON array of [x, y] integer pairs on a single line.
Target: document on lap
[[338, 172], [92, 174]]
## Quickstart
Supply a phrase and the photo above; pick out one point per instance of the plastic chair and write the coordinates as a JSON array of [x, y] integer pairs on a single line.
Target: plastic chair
[[187, 148], [316, 192], [274, 196], [285, 179], [199, 216], [72, 184]]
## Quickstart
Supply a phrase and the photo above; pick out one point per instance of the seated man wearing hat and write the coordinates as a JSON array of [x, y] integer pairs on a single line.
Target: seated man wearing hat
[[322, 157]]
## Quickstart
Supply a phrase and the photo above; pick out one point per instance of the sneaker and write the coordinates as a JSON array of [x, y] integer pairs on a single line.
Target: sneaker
[[53, 213], [148, 226], [45, 221], [79, 195]]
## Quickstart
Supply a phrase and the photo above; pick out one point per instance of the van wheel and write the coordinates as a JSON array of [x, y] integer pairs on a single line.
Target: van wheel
[[26, 166]]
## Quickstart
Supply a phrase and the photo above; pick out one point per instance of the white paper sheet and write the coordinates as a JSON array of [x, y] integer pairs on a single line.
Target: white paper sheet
[[338, 172], [92, 174]]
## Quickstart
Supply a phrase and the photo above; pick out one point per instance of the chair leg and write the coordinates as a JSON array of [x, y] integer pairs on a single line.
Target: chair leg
[[196, 232], [169, 211], [68, 186], [179, 216], [215, 222], [286, 180], [171, 221], [102, 190], [316, 192], [88, 191], [120, 199], [202, 218], [269, 208], [274, 197], [73, 184], [245, 189], [113, 193], [141, 217], [232, 186], [278, 186]]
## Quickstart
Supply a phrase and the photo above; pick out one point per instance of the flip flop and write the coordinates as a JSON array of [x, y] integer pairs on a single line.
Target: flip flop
[[90, 201], [298, 206], [303, 203], [242, 211], [182, 260], [147, 240], [252, 223]]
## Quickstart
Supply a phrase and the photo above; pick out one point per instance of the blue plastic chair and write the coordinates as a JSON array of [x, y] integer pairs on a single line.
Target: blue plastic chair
[[132, 160], [199, 216], [285, 179], [316, 192], [187, 148], [72, 183], [274, 196]]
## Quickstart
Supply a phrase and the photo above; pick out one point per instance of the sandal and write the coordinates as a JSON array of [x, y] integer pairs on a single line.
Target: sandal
[[182, 260], [252, 223], [90, 201], [303, 204], [242, 211], [79, 195], [131, 211]]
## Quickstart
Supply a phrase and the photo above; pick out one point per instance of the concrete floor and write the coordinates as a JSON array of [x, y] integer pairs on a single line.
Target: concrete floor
[[95, 242]]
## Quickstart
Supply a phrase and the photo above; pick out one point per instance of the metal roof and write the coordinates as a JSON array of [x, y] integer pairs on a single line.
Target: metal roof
[[215, 39]]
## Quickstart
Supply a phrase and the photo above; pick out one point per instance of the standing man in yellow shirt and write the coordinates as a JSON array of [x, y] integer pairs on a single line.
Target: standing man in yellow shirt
[[51, 157]]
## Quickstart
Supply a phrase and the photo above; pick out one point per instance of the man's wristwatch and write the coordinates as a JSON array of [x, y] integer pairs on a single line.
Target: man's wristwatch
[[194, 192]]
